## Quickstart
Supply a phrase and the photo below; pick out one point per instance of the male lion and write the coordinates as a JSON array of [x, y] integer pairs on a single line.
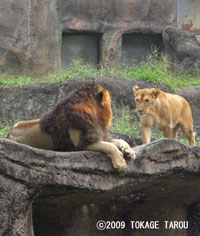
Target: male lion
[[165, 111], [78, 122]]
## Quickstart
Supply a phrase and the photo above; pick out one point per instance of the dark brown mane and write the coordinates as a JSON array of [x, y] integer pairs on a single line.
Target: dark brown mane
[[78, 110]]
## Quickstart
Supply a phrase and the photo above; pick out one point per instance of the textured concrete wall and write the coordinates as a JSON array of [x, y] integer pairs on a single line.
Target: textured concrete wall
[[31, 30], [29, 36]]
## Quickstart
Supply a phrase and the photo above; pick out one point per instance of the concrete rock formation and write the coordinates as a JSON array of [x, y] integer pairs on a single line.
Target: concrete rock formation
[[182, 49], [31, 31], [54, 193]]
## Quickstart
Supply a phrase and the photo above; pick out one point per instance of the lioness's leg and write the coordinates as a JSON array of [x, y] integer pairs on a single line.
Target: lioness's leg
[[124, 147], [175, 131], [191, 138], [188, 132], [167, 132], [146, 134], [111, 151]]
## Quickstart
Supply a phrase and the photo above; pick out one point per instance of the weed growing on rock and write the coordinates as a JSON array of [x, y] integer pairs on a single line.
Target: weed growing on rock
[[153, 68], [4, 129]]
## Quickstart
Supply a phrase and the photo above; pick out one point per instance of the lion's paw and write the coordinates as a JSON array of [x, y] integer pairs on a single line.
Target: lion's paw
[[119, 163], [128, 152]]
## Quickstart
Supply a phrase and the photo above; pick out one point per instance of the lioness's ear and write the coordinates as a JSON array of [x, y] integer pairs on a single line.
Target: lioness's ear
[[155, 92], [135, 88]]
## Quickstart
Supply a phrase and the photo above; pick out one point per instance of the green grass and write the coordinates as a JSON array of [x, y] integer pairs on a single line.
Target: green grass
[[153, 68], [4, 129], [125, 121]]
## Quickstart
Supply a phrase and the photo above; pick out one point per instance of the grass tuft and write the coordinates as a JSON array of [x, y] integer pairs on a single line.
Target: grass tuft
[[153, 68], [4, 129]]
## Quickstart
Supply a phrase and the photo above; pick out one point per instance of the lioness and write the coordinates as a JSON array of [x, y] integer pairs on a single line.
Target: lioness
[[165, 111], [77, 122]]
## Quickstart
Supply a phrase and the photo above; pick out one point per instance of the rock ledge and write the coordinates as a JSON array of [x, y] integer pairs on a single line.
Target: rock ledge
[[164, 177]]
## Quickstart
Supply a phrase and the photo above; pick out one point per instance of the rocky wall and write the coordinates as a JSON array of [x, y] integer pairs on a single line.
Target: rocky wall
[[46, 193], [31, 30], [182, 50]]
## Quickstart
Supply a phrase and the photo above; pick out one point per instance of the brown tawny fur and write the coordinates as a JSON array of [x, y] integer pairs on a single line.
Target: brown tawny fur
[[165, 111]]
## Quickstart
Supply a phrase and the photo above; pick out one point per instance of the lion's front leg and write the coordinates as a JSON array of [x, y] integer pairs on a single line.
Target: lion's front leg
[[124, 147], [111, 151]]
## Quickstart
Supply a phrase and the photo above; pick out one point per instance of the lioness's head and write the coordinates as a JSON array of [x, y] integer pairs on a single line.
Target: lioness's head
[[145, 99]]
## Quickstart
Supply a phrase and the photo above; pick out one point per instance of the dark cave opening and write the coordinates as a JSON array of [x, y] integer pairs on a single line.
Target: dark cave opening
[[80, 46], [136, 46]]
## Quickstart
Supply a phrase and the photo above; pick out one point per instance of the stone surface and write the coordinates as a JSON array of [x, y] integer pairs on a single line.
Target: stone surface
[[26, 102], [30, 36], [182, 49], [31, 31], [67, 193], [29, 101], [192, 95]]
